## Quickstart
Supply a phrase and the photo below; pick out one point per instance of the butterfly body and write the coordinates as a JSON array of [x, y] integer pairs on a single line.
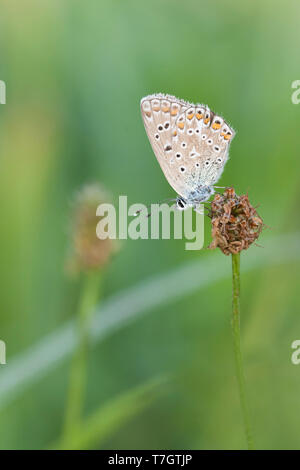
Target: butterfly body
[[191, 144]]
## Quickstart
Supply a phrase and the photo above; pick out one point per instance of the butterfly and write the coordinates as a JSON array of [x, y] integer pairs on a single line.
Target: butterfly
[[191, 144]]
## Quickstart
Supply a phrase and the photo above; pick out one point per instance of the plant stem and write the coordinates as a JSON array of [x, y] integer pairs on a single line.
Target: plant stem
[[77, 384], [237, 346]]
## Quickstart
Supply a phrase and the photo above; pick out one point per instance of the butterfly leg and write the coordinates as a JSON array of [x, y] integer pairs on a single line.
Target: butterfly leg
[[200, 209]]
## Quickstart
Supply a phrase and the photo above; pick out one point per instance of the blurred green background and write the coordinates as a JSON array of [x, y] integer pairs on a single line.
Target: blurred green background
[[75, 72]]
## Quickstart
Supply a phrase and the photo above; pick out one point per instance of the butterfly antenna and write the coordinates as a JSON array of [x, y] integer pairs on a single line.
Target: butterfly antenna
[[149, 205]]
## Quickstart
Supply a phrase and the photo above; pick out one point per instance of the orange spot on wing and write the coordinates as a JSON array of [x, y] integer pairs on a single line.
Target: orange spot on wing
[[175, 133], [190, 116], [206, 120], [216, 126], [174, 111], [166, 109], [156, 108], [148, 114], [199, 116], [181, 125], [227, 136]]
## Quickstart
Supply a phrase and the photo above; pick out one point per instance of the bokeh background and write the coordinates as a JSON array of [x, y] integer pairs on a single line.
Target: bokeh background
[[75, 72]]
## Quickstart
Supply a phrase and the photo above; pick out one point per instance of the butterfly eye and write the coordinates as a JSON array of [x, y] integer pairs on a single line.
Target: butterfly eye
[[203, 137], [182, 169], [181, 204], [157, 136], [209, 141], [160, 128], [190, 131], [216, 148], [207, 163], [219, 160], [197, 131], [168, 148], [178, 155], [183, 145], [167, 125], [197, 165]]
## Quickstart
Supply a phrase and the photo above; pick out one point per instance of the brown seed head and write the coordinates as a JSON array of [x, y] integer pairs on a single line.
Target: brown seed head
[[235, 222], [89, 252]]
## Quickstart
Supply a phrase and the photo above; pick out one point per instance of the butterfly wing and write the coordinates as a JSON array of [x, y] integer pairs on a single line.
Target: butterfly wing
[[160, 113], [215, 142], [190, 142], [200, 142]]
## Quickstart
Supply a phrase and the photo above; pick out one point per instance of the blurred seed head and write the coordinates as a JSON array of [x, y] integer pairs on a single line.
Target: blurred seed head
[[88, 252], [235, 222]]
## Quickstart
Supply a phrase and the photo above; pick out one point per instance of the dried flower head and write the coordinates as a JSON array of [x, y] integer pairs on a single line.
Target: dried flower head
[[235, 222], [88, 251]]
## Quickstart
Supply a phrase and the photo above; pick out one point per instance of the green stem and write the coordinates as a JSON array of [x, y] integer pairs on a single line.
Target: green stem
[[237, 346], [77, 383]]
